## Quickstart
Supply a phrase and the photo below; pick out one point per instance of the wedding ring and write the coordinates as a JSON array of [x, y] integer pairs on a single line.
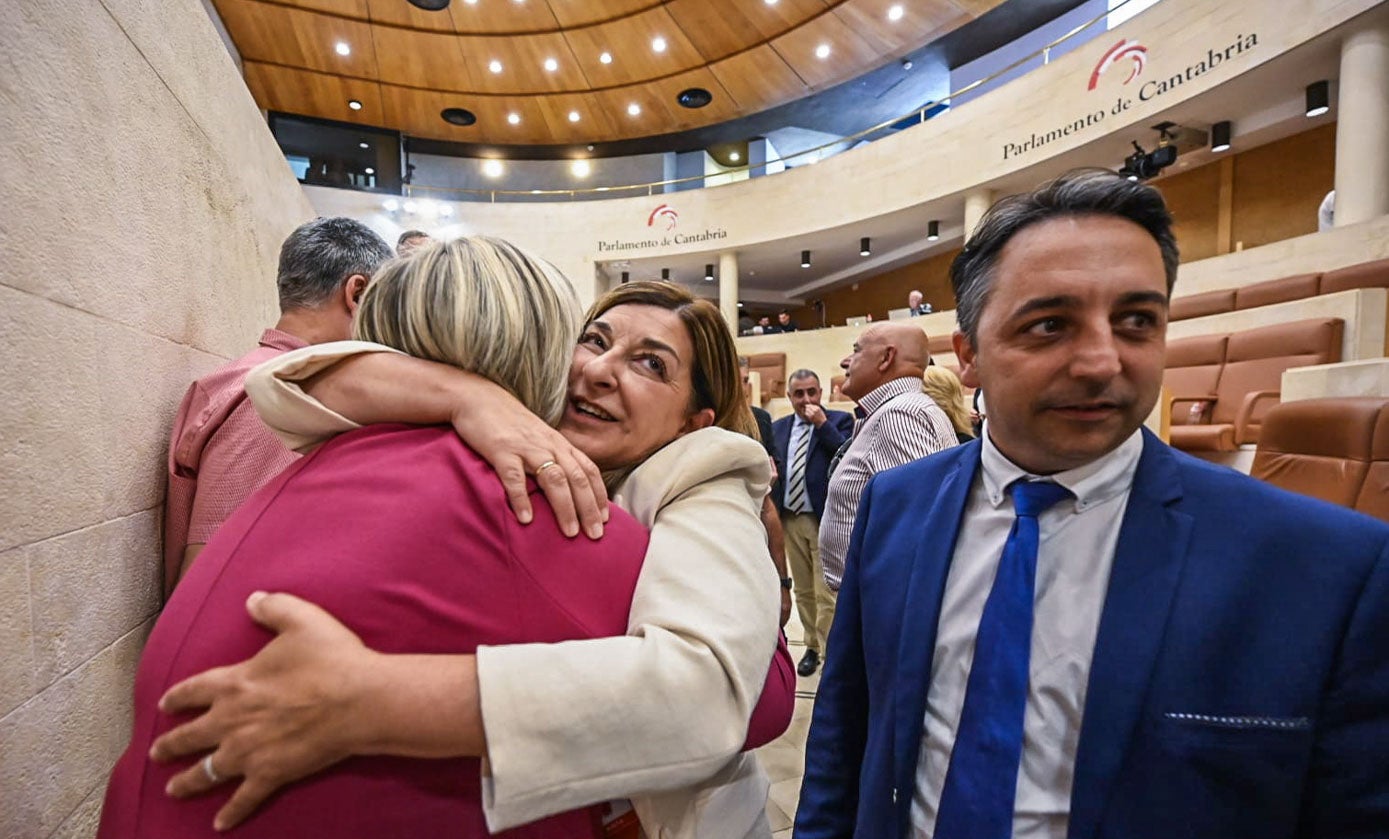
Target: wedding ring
[[210, 772], [542, 467]]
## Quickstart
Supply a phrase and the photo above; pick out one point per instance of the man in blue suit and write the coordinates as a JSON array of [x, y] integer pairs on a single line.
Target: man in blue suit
[[1068, 629], [804, 443]]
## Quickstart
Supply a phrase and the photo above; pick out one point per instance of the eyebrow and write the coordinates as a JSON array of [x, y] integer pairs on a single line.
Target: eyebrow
[[1064, 301], [645, 343]]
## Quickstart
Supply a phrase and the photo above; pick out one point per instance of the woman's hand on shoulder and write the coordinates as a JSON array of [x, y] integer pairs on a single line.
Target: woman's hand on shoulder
[[286, 713], [517, 443]]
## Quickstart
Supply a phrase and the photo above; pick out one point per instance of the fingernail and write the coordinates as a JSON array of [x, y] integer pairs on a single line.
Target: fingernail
[[255, 597], [524, 517], [219, 825], [571, 530], [596, 531], [169, 788]]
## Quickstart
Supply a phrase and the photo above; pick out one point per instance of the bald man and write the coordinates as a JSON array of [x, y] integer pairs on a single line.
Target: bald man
[[899, 425]]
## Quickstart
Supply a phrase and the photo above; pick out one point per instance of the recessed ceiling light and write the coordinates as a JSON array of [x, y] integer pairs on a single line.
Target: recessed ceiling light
[[734, 156], [694, 97], [551, 65], [894, 13], [573, 116], [605, 58], [430, 5], [492, 168], [341, 48], [658, 44], [581, 168], [634, 109], [494, 65], [470, 2], [458, 116], [369, 171], [364, 145], [769, 3], [513, 118], [354, 104], [822, 51]]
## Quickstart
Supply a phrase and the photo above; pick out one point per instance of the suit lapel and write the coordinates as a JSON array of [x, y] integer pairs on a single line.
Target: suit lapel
[[921, 610], [1148, 562]]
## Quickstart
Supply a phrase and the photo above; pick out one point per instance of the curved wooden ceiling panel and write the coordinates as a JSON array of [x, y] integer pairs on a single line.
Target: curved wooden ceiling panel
[[490, 56]]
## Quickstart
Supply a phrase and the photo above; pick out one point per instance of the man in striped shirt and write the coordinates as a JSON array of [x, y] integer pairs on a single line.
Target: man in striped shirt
[[899, 425]]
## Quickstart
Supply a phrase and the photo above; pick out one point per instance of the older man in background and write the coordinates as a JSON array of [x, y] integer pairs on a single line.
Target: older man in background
[[220, 452], [900, 424]]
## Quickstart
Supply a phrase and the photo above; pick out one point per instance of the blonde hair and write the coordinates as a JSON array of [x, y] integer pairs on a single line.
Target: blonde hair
[[718, 383], [943, 386], [483, 305]]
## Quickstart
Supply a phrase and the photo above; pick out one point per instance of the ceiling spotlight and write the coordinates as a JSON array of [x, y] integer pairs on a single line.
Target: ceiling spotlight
[[492, 168], [633, 110], [354, 104], [906, 64], [364, 145], [430, 5], [1220, 136], [665, 273], [573, 116], [470, 2], [734, 156], [932, 230], [458, 116], [369, 171], [658, 44], [513, 118], [805, 259], [769, 3], [863, 247], [894, 13], [551, 65], [822, 51], [341, 48], [1318, 98], [709, 272], [494, 65], [694, 97], [390, 205], [605, 58], [1142, 165], [580, 168]]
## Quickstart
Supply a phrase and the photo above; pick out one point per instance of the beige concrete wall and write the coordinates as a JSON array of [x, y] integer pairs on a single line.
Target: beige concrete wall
[[144, 206]]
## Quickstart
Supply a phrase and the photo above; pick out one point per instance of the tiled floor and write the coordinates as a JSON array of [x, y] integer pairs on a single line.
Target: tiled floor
[[784, 758]]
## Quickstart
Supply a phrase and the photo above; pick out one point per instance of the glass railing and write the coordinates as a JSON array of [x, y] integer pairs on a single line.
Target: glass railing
[[933, 109]]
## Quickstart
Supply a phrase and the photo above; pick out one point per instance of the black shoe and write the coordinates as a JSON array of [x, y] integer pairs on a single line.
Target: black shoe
[[809, 663]]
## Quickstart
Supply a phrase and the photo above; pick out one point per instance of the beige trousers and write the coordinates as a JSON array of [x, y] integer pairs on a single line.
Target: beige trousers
[[814, 600]]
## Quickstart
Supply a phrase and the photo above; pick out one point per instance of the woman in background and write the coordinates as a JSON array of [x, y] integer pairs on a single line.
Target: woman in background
[[942, 385]]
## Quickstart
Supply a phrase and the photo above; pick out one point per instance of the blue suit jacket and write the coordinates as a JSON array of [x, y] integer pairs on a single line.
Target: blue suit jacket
[[1263, 612], [824, 442]]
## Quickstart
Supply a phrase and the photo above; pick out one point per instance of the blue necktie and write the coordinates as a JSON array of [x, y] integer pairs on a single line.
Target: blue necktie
[[982, 782]]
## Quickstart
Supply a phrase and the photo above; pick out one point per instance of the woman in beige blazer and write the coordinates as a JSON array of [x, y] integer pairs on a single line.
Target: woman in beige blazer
[[661, 711]]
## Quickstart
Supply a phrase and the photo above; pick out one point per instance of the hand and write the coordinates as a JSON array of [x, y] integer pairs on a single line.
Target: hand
[[815, 415], [517, 443], [771, 461], [785, 607], [281, 716]]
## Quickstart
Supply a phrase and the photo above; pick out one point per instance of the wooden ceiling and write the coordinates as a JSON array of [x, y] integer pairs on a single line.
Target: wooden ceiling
[[406, 65]]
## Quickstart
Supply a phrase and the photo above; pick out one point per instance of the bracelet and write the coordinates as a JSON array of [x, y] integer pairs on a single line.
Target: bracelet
[[786, 582]]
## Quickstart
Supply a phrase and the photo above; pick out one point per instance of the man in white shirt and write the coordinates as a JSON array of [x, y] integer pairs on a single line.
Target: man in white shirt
[[899, 425], [1067, 630]]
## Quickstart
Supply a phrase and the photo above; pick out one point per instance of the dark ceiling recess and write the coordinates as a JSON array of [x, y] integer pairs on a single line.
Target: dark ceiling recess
[[694, 97], [431, 5], [458, 116]]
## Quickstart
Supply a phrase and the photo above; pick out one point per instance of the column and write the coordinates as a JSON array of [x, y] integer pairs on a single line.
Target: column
[[728, 289], [977, 202], [1362, 132]]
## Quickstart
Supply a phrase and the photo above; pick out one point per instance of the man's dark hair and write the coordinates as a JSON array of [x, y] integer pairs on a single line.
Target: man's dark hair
[[410, 234], [1080, 192], [803, 373], [321, 254]]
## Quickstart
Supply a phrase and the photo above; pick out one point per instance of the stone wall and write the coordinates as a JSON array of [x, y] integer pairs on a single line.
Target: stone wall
[[144, 204]]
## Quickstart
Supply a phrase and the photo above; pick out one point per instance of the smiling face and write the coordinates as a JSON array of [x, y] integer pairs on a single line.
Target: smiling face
[[630, 386], [1071, 340]]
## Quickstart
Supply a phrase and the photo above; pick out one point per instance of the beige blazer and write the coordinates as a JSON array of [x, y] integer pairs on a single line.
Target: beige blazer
[[658, 715]]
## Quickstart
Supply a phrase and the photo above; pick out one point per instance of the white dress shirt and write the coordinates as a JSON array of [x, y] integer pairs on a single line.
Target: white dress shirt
[[1074, 557]]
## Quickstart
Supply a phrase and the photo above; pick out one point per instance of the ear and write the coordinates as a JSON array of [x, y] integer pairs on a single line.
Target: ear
[[889, 359], [352, 291], [964, 351], [700, 419]]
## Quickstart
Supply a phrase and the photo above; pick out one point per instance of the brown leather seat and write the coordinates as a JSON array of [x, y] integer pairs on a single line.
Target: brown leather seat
[[1192, 372], [771, 366], [1333, 449], [1251, 380], [1280, 290], [1365, 275], [1199, 305], [940, 344]]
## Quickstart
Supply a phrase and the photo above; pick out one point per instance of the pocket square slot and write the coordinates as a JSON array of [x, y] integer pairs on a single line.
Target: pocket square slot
[[1243, 722]]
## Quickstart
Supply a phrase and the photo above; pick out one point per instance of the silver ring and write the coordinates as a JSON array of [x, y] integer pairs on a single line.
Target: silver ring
[[209, 771], [542, 467]]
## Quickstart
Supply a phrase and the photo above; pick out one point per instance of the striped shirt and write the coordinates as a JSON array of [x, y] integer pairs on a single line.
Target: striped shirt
[[901, 424]]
